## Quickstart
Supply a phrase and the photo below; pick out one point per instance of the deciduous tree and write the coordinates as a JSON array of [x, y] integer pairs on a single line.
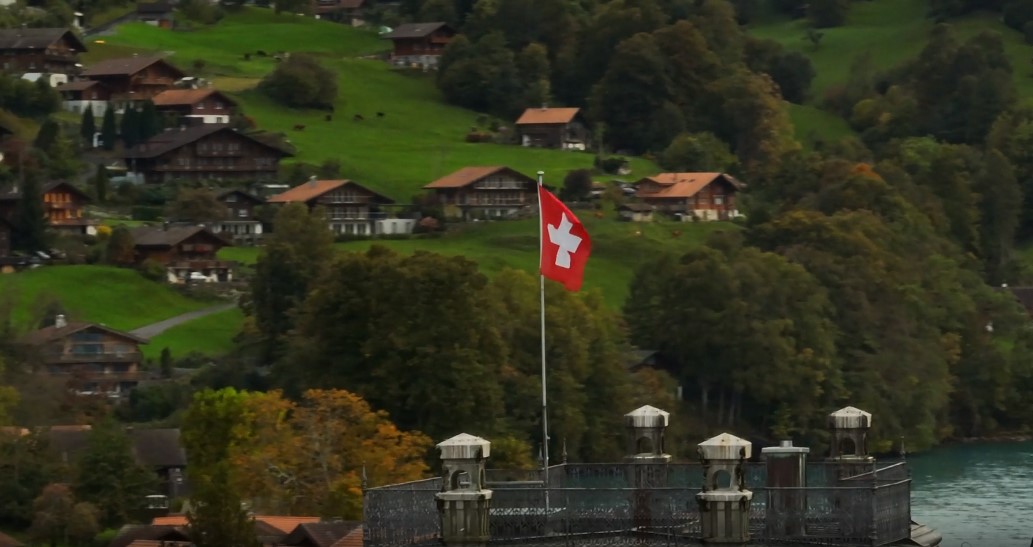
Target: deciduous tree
[[109, 477]]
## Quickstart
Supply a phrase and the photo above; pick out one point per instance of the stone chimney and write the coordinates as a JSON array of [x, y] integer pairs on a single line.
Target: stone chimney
[[60, 322], [312, 180], [646, 426], [464, 501], [545, 106]]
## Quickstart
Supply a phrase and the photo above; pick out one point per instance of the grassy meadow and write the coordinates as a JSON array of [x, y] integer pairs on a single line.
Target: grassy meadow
[[210, 335]]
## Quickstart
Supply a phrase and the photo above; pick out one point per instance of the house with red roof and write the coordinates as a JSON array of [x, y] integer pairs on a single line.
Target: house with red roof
[[135, 78], [351, 208], [192, 106], [485, 192], [702, 196], [546, 127]]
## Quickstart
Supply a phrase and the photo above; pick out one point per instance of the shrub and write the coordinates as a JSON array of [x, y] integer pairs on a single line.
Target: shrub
[[301, 82], [153, 270]]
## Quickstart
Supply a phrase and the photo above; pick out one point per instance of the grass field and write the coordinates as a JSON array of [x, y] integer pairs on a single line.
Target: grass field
[[418, 140], [119, 298], [209, 335], [811, 123], [618, 248]]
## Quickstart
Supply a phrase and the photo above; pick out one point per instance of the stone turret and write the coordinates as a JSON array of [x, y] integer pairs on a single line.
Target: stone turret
[[646, 440], [464, 501], [724, 503], [849, 427]]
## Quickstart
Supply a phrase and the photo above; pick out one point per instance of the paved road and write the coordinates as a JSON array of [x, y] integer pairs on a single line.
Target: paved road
[[154, 329]]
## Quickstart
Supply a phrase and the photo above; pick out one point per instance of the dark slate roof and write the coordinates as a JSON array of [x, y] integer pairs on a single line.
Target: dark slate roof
[[158, 448], [73, 188], [247, 195], [637, 207], [154, 8], [35, 38], [158, 236], [321, 534], [172, 139], [68, 442], [77, 85], [415, 30], [1024, 295], [126, 66], [47, 334], [155, 532]]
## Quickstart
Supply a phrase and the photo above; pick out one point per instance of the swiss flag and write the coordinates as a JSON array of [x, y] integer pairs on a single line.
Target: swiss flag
[[565, 243]]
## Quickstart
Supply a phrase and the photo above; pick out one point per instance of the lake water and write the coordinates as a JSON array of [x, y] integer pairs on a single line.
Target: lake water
[[976, 495]]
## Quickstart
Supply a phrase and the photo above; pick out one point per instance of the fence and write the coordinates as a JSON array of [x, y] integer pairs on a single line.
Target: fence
[[863, 505]]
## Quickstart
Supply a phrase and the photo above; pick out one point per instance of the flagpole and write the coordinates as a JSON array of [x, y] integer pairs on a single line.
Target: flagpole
[[545, 404]]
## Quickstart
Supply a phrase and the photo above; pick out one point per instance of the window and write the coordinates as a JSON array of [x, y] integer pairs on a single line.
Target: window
[[242, 213], [200, 105], [232, 198], [218, 105]]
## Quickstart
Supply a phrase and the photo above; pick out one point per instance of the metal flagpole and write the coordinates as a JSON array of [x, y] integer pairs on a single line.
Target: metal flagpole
[[545, 404]]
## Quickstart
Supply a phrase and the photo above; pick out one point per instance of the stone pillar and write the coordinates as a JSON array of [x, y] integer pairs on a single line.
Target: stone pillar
[[464, 502], [849, 444], [786, 468], [724, 503], [646, 427]]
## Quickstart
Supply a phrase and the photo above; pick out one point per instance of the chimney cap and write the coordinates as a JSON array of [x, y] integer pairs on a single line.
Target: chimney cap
[[60, 321]]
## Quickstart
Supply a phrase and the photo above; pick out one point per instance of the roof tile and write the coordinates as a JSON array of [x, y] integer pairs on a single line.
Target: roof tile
[[307, 191], [534, 116], [469, 175]]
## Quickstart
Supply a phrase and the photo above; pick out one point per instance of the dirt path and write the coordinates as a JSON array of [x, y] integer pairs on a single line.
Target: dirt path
[[154, 329]]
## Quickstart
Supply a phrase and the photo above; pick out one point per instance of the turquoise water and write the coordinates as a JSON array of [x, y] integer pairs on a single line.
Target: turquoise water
[[976, 495]]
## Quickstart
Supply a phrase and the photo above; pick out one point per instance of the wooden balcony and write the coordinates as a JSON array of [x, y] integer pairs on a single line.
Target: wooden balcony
[[72, 359]]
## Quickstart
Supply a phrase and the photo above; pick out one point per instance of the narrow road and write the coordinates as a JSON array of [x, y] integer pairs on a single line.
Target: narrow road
[[154, 329]]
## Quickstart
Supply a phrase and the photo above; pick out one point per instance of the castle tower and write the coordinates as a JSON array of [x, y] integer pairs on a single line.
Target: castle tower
[[724, 503], [464, 502]]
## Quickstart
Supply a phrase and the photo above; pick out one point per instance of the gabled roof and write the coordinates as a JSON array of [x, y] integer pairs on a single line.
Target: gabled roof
[[187, 97], [51, 333], [136, 533], [534, 116], [127, 66], [469, 175], [683, 185], [158, 448], [36, 38], [415, 30], [320, 534], [282, 524], [55, 184], [247, 195], [172, 139], [77, 85], [352, 539], [308, 191], [160, 236]]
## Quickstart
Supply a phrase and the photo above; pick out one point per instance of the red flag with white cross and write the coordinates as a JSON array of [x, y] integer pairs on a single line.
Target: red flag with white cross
[[565, 243]]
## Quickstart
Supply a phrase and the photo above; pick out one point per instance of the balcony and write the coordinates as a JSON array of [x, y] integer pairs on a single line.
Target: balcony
[[199, 265], [58, 358]]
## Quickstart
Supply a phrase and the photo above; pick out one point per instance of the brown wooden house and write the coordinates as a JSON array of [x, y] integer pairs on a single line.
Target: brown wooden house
[[97, 360], [484, 192], [703, 196], [46, 50], [193, 106], [189, 253], [79, 95], [341, 11], [64, 206], [204, 152], [159, 14], [350, 207], [553, 128], [240, 223], [419, 43], [134, 78]]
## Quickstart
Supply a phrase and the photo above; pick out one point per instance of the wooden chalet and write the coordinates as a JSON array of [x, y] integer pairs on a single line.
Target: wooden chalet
[[419, 44], [351, 208], [240, 223], [63, 205], [636, 212], [80, 95], [158, 14], [97, 360], [553, 128], [190, 106], [183, 250], [204, 152], [45, 50], [135, 78], [485, 192], [341, 11], [703, 196]]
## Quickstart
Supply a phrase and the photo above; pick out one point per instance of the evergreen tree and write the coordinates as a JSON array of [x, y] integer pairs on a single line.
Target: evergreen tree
[[100, 183], [88, 126], [109, 477], [108, 129], [166, 363], [150, 121], [130, 127], [30, 221], [48, 135]]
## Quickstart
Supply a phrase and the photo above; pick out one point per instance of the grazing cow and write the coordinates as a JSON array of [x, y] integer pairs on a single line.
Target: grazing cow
[[675, 233], [299, 127], [599, 214], [380, 114], [358, 118], [329, 117]]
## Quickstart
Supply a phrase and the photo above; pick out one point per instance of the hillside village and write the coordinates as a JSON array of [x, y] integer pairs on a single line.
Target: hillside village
[[236, 231]]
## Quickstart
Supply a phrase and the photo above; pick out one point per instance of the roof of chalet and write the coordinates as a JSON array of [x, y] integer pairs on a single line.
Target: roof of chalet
[[186, 97], [250, 197], [280, 525], [321, 534], [161, 236], [172, 139], [47, 334], [534, 116], [637, 207], [155, 8], [139, 534], [415, 30], [469, 175], [11, 194], [126, 66], [35, 38], [684, 185], [8, 541], [312, 189], [352, 539], [77, 85], [158, 448]]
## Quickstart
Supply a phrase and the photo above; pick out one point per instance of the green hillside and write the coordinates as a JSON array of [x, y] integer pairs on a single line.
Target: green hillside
[[617, 248], [419, 139], [210, 335], [116, 297]]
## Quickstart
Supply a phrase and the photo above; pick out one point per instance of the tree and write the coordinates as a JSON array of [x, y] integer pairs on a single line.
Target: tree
[[301, 81], [129, 129], [166, 363], [48, 134], [8, 398], [52, 515], [197, 205], [88, 126], [108, 129], [577, 185], [698, 152], [100, 183], [30, 220], [828, 13], [82, 523], [109, 477], [1001, 208], [26, 466], [150, 121], [121, 249]]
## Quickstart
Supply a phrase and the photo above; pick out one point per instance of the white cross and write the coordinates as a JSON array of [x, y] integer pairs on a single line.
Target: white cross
[[566, 241]]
